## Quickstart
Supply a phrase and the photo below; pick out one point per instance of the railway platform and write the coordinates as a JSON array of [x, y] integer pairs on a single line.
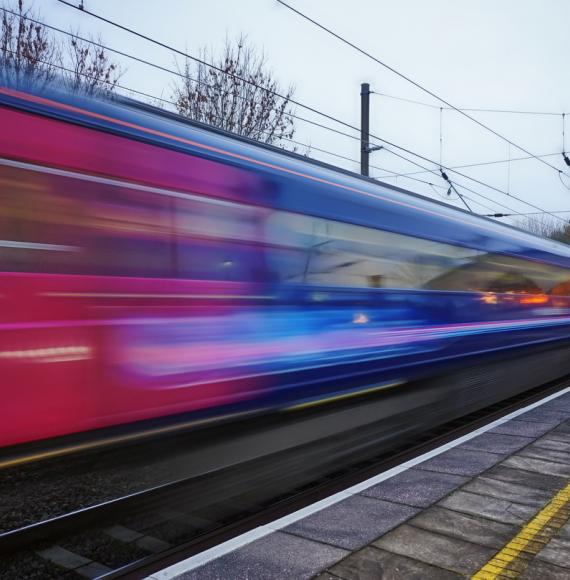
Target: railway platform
[[492, 504]]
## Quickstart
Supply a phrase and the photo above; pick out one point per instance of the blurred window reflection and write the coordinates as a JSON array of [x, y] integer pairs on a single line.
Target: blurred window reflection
[[316, 251], [60, 224], [219, 240]]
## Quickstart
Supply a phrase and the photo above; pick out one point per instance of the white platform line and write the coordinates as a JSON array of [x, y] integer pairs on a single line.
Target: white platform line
[[229, 546]]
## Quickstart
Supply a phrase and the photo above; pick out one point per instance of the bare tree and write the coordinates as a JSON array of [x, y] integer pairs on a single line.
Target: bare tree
[[27, 51], [562, 234], [547, 227], [241, 97], [543, 225], [91, 70]]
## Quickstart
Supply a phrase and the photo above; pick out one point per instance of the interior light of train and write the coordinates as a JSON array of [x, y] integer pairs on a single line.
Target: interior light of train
[[360, 318], [489, 298]]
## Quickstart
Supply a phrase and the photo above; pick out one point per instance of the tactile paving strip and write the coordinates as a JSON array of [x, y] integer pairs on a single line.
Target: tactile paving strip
[[513, 559]]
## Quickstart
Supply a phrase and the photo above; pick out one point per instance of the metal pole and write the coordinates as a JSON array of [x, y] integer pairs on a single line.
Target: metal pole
[[364, 128]]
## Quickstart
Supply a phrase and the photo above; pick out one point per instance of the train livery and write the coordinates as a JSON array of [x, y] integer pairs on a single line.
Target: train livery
[[151, 268]]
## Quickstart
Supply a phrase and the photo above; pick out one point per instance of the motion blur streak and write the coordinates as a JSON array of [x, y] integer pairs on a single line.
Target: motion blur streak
[[166, 270], [48, 354]]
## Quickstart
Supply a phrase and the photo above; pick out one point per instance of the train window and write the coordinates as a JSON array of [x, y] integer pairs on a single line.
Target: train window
[[213, 219], [501, 274], [58, 224], [293, 243], [359, 256], [41, 225], [311, 250], [218, 240], [316, 251], [130, 233]]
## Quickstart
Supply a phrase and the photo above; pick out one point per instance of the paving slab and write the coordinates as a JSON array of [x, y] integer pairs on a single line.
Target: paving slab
[[555, 444], [556, 435], [497, 443], [448, 553], [538, 465], [544, 481], [523, 428], [564, 532], [465, 527], [560, 403], [539, 570], [543, 416], [416, 487], [514, 492], [278, 555], [557, 552], [564, 428], [491, 508], [549, 454], [372, 563], [353, 522], [461, 461]]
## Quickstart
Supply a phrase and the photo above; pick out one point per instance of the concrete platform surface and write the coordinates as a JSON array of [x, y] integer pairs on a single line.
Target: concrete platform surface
[[493, 505]]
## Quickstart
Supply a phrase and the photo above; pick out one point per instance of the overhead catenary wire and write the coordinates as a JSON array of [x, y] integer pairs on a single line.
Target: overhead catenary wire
[[563, 133], [480, 164], [497, 215], [434, 172], [414, 83], [463, 186], [438, 193], [564, 156], [293, 101], [475, 180], [435, 187], [509, 169], [440, 136], [452, 187], [470, 109]]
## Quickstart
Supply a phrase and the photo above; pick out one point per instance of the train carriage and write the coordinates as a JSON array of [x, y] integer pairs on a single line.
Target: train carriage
[[153, 268]]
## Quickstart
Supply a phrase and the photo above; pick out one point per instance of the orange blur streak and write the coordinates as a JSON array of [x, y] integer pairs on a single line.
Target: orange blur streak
[[534, 299], [489, 298]]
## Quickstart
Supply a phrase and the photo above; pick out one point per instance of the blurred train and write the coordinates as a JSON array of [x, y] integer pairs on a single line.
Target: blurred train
[[152, 268]]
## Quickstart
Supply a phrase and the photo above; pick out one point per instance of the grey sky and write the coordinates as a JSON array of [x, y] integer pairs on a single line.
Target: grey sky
[[509, 54]]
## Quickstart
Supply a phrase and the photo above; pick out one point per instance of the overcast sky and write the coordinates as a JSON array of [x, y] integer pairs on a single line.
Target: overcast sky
[[507, 54]]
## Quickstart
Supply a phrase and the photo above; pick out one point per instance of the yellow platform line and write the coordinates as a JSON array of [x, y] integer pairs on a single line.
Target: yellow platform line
[[515, 556]]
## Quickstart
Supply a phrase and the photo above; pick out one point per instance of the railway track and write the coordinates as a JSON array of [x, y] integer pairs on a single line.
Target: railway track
[[135, 535]]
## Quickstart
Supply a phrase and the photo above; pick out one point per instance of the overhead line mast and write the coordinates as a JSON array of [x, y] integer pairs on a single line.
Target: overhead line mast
[[365, 148]]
